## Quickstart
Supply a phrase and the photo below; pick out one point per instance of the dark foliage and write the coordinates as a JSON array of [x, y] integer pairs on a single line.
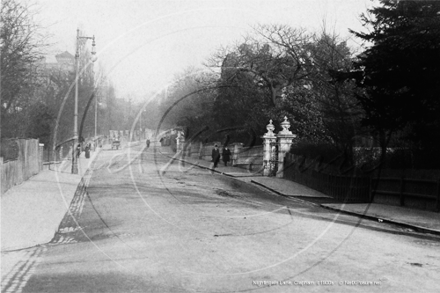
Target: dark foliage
[[400, 72], [9, 149], [324, 152], [42, 120]]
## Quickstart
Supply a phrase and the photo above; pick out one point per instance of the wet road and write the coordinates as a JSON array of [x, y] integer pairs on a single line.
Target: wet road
[[145, 225]]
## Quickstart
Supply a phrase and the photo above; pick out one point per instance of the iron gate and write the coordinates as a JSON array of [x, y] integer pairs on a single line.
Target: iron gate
[[273, 162]]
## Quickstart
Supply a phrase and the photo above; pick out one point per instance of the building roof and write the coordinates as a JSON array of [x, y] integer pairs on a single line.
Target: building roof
[[65, 54]]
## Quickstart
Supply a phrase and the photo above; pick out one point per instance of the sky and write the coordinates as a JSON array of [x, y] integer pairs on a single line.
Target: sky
[[142, 44]]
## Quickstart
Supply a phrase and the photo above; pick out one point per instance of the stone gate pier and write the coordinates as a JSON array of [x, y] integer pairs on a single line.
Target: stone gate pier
[[275, 148], [269, 141]]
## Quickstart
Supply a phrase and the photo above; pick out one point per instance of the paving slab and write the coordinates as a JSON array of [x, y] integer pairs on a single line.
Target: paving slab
[[240, 174], [288, 188], [32, 211], [421, 220]]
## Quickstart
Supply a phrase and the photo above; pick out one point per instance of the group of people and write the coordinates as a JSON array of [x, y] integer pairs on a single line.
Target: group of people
[[87, 149], [226, 155]]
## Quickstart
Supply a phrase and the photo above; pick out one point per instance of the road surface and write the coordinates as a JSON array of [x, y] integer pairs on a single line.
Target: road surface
[[146, 224]]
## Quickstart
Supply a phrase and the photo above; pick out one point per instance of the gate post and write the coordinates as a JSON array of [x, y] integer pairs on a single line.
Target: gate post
[[40, 156], [268, 149], [61, 154], [180, 141], [285, 137]]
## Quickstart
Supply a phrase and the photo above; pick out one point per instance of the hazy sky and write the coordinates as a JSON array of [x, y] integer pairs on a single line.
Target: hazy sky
[[142, 44]]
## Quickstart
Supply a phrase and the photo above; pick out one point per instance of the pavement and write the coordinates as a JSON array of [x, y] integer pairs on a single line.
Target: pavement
[[32, 211], [418, 220]]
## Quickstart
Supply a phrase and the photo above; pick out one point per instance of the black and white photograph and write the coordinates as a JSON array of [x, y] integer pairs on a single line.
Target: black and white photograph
[[220, 146]]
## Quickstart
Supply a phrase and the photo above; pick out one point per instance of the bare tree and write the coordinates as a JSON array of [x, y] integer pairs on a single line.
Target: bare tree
[[22, 44], [273, 57]]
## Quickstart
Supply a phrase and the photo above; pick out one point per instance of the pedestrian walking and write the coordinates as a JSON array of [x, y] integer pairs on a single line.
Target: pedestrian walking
[[215, 156], [226, 155], [87, 151], [78, 150], [148, 143]]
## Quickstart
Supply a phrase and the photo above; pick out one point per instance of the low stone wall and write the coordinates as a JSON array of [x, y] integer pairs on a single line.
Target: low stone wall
[[243, 157], [205, 153], [250, 158]]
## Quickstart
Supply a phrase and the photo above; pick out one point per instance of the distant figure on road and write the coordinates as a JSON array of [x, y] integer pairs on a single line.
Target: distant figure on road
[[226, 154], [78, 150], [148, 143], [87, 150], [215, 155]]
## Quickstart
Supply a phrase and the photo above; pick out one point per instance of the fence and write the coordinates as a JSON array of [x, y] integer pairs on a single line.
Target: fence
[[347, 188], [417, 193], [61, 152], [28, 163]]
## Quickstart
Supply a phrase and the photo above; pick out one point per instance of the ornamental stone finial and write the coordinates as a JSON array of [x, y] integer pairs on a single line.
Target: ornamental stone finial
[[270, 128], [285, 125]]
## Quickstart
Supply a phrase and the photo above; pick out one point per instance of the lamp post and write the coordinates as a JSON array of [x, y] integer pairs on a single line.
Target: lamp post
[[96, 120], [75, 116], [95, 140], [142, 131]]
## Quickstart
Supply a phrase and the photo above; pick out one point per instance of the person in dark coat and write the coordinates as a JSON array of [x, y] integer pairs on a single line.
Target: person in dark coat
[[226, 155], [78, 150], [215, 155], [148, 143], [87, 151]]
